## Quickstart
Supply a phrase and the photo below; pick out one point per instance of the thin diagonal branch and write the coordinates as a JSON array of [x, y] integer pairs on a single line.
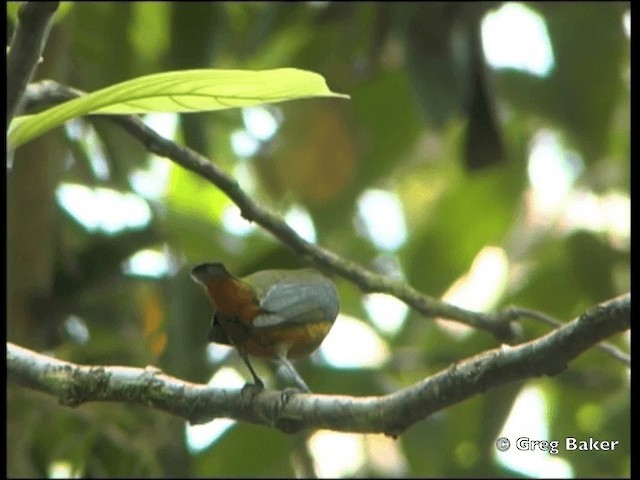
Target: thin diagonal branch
[[500, 324], [390, 414]]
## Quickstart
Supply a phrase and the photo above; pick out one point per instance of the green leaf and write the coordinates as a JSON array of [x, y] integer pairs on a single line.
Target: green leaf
[[180, 91]]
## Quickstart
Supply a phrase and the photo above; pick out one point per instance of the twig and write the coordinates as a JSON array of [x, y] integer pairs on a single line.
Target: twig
[[606, 347]]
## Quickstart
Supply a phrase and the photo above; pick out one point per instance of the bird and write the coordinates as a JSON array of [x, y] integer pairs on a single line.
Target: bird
[[276, 314]]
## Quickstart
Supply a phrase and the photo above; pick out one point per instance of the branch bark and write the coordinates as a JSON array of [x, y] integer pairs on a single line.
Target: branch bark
[[27, 44], [390, 414]]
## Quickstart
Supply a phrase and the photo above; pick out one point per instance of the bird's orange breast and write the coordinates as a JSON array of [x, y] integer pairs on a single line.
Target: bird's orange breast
[[234, 299]]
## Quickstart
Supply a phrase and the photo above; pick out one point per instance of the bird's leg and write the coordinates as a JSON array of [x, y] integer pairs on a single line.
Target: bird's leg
[[228, 323], [250, 390], [296, 376], [256, 379]]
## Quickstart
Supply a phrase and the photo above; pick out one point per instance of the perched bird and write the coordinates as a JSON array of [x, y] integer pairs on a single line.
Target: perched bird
[[272, 313]]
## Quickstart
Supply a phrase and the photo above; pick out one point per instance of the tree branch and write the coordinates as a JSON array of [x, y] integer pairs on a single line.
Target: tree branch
[[27, 44], [390, 414], [499, 323]]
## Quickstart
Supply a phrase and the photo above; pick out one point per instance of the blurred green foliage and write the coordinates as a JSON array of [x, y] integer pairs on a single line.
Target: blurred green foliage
[[409, 128]]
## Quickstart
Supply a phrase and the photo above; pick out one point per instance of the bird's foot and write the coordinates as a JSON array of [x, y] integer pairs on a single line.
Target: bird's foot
[[250, 390]]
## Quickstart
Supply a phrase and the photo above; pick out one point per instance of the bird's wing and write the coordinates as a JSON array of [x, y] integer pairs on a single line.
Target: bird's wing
[[306, 297]]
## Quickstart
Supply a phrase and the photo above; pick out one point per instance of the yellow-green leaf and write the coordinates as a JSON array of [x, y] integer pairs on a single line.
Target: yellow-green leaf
[[180, 91]]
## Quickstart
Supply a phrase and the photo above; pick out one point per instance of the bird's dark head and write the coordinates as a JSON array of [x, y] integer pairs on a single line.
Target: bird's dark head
[[209, 271]]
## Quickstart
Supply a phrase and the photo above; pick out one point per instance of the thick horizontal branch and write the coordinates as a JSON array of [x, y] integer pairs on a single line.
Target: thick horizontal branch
[[389, 414], [499, 324]]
